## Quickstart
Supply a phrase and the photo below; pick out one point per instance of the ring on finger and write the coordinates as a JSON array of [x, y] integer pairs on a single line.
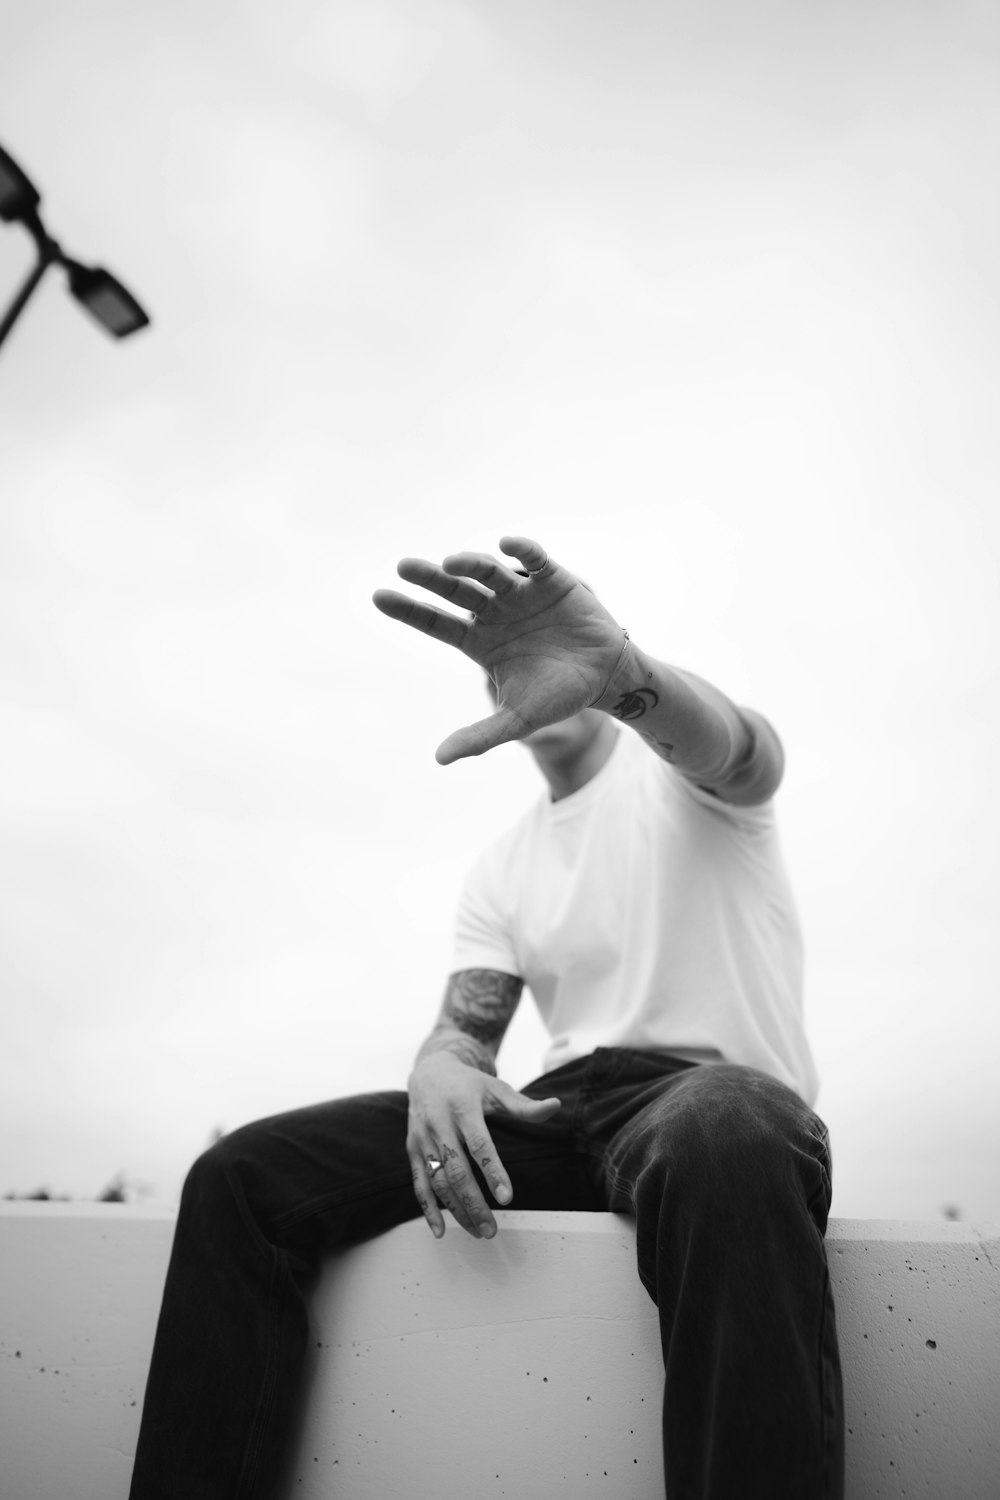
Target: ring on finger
[[443, 1190]]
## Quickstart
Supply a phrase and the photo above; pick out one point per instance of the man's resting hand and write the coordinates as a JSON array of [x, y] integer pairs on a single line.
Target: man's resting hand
[[448, 1104]]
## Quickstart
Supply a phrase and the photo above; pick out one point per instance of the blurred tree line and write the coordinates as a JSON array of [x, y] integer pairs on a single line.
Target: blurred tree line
[[121, 1188], [118, 1190]]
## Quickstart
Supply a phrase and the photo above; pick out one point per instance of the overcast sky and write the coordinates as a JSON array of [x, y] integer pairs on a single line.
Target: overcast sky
[[706, 299]]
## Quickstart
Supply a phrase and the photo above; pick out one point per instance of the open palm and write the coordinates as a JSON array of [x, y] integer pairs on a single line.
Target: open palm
[[548, 644]]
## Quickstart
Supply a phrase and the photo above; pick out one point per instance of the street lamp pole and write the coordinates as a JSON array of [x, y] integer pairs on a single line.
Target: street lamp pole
[[94, 288], [48, 251], [12, 314]]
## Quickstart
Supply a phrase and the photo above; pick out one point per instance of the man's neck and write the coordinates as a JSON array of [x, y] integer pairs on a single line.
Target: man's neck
[[567, 773]]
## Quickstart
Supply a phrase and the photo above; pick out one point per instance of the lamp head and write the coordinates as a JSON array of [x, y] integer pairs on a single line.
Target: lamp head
[[105, 298], [19, 198]]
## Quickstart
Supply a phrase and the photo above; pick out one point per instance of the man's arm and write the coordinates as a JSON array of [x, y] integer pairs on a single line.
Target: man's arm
[[733, 752], [477, 1009]]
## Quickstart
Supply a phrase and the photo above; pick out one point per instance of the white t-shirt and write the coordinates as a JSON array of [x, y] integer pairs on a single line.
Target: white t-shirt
[[643, 912]]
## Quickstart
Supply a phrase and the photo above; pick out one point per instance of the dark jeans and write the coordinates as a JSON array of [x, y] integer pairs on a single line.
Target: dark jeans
[[726, 1172]]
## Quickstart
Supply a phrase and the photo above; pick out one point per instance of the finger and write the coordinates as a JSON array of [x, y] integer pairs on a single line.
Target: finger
[[423, 617], [441, 1193], [530, 554], [465, 1190], [431, 1189], [486, 569], [485, 734], [487, 1158], [424, 1192], [460, 591], [455, 1206]]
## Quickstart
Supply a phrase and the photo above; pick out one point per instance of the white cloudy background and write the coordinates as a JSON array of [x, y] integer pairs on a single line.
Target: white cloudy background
[[706, 298]]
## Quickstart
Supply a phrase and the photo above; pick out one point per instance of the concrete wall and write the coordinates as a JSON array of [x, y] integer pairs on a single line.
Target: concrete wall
[[538, 1352]]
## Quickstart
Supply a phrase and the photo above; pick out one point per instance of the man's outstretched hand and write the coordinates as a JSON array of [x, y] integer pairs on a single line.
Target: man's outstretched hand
[[548, 644]]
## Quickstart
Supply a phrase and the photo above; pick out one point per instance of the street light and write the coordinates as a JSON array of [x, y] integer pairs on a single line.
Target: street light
[[97, 290]]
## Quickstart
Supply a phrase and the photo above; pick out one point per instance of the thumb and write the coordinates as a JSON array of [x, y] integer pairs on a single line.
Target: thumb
[[513, 1103], [477, 738], [541, 1109]]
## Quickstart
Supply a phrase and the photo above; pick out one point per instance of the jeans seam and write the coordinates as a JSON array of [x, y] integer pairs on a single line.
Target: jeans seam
[[828, 1427]]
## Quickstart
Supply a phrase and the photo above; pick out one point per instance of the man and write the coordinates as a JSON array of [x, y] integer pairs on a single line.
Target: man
[[645, 903]]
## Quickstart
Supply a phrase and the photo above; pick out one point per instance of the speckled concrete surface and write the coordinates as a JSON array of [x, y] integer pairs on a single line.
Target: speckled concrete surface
[[538, 1352]]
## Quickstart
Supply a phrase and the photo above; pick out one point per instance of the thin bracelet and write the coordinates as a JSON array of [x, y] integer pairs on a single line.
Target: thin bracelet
[[614, 669]]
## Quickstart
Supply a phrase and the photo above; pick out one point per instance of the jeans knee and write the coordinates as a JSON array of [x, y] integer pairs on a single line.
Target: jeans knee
[[733, 1134], [228, 1161]]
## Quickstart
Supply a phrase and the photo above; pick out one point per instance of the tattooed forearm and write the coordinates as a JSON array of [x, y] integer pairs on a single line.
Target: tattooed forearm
[[633, 705], [475, 1014], [480, 1002]]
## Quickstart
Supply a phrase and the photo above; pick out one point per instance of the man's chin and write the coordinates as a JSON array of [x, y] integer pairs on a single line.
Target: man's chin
[[550, 735], [547, 732]]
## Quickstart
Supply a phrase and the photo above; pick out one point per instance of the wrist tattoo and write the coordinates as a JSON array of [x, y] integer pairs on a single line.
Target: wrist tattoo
[[474, 1054], [633, 705]]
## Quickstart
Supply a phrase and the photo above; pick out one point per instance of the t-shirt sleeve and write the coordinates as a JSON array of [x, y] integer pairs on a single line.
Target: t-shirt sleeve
[[756, 819], [482, 935]]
